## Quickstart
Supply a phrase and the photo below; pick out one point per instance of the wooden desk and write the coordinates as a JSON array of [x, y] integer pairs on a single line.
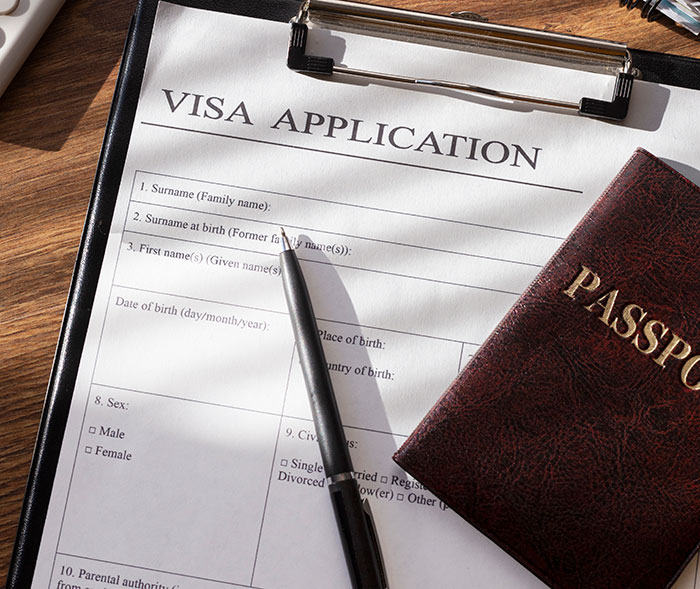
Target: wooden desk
[[52, 120]]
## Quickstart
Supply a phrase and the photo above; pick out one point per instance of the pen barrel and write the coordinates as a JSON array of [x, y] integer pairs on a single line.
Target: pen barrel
[[329, 428], [361, 554]]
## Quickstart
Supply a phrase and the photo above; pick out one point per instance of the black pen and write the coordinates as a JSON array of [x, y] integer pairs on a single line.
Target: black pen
[[352, 514]]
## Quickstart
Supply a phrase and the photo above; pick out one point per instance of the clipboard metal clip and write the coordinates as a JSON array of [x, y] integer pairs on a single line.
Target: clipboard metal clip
[[582, 52]]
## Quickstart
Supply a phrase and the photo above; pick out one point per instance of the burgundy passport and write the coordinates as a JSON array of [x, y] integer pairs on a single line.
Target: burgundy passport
[[572, 438]]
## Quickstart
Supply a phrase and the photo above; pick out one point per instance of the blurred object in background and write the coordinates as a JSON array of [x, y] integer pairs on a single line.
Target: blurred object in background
[[684, 12], [22, 23]]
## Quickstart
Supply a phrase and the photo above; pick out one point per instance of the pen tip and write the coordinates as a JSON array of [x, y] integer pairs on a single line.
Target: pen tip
[[285, 242]]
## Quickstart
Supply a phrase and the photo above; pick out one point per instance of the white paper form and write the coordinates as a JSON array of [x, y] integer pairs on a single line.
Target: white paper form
[[189, 459]]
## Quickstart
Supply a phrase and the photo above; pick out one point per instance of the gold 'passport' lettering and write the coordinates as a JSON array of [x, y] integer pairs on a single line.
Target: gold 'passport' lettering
[[648, 337]]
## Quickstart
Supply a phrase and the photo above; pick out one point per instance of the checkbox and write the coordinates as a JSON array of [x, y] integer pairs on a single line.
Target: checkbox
[[384, 480], [399, 496], [88, 449], [92, 429], [284, 462]]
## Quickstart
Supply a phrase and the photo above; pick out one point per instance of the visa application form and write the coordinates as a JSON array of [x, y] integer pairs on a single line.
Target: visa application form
[[189, 458]]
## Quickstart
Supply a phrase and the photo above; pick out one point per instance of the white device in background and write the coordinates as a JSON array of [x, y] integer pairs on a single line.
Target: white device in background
[[22, 22]]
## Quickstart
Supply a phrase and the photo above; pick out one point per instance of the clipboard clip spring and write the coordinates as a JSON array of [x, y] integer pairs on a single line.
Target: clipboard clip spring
[[568, 46]]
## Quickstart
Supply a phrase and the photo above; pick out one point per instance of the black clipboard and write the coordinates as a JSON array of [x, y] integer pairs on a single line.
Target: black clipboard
[[655, 67]]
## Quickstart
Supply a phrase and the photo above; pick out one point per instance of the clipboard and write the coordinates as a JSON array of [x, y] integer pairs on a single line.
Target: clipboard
[[472, 33], [672, 70]]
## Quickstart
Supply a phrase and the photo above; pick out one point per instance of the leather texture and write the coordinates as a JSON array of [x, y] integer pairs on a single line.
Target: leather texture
[[562, 442]]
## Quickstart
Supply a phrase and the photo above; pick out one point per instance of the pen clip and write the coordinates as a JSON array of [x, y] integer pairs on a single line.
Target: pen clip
[[375, 541]]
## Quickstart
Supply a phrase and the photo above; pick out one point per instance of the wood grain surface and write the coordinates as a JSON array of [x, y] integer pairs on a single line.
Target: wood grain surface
[[52, 120]]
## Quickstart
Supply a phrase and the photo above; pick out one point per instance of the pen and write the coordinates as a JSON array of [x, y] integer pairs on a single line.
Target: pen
[[352, 514]]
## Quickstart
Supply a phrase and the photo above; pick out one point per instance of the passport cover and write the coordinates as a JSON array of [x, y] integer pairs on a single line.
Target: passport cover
[[572, 438]]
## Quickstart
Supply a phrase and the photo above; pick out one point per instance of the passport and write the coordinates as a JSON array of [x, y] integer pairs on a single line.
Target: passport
[[572, 438]]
